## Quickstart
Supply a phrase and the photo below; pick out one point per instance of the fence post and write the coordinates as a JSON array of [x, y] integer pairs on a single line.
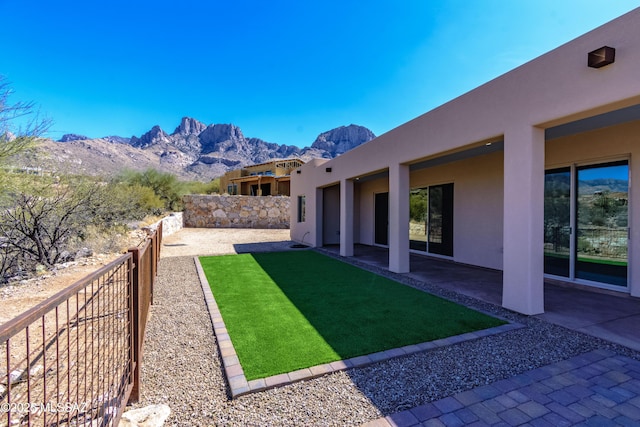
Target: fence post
[[157, 244], [135, 318]]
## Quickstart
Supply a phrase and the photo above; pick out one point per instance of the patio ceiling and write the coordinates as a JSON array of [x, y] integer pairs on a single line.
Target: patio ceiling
[[611, 118], [591, 123]]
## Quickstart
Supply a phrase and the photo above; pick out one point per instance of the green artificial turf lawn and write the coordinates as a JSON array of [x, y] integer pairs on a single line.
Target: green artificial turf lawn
[[291, 310]]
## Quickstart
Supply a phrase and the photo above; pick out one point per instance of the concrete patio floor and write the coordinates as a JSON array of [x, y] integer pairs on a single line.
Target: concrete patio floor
[[612, 316]]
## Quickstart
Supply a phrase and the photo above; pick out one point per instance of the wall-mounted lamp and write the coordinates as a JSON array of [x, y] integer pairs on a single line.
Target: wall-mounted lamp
[[600, 57], [327, 170], [298, 172]]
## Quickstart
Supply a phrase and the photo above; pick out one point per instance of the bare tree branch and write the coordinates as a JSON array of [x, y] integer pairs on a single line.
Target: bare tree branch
[[18, 138]]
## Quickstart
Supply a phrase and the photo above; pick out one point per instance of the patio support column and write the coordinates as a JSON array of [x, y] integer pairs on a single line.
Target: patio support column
[[318, 220], [346, 217], [523, 262], [399, 218]]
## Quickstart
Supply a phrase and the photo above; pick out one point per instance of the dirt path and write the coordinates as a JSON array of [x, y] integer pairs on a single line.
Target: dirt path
[[217, 241]]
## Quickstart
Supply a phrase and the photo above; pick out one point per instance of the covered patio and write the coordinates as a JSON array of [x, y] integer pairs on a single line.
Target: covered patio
[[612, 316]]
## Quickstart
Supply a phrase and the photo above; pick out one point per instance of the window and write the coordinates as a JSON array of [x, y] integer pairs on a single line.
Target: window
[[232, 189], [301, 208]]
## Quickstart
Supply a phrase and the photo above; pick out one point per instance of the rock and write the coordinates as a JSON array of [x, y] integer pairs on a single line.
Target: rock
[[84, 253], [117, 139], [36, 370], [73, 137], [154, 136], [65, 256], [219, 213], [342, 139], [15, 375], [189, 126], [149, 416]]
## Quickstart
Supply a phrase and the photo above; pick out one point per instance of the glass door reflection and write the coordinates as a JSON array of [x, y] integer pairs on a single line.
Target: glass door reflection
[[557, 222], [602, 220]]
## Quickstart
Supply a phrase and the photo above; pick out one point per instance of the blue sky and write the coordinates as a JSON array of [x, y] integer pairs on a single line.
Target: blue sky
[[281, 70]]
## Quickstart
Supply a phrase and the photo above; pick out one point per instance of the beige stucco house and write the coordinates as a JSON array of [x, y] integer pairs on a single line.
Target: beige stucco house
[[535, 173], [263, 179]]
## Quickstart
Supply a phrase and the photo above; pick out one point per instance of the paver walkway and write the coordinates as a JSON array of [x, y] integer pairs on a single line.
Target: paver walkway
[[599, 388]]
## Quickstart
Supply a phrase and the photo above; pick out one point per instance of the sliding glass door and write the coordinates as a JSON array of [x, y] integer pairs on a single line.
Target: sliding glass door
[[602, 223], [557, 222], [586, 216], [381, 219], [431, 219]]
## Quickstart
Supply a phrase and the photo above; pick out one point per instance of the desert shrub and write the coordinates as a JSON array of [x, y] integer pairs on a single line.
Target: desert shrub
[[40, 218], [197, 187], [126, 202], [101, 239], [165, 185]]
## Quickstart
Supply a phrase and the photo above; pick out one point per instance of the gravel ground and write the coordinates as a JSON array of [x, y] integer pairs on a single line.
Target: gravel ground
[[182, 366]]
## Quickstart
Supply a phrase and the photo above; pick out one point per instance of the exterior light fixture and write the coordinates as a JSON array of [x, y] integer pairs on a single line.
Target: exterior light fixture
[[600, 57], [298, 172], [327, 170]]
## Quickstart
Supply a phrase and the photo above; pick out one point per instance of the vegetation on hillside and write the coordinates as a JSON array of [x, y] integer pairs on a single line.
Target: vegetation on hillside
[[46, 217]]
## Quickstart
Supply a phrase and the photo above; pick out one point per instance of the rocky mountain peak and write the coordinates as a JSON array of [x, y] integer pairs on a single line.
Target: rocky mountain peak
[[154, 136], [342, 139], [193, 151], [117, 139], [68, 137], [215, 136], [189, 126]]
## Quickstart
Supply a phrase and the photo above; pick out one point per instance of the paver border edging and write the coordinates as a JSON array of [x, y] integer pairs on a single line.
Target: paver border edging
[[238, 384]]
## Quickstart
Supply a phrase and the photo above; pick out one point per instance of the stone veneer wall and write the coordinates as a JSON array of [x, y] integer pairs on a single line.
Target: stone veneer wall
[[172, 223], [236, 211]]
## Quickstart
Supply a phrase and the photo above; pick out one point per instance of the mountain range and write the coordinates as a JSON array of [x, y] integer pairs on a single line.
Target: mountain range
[[193, 151]]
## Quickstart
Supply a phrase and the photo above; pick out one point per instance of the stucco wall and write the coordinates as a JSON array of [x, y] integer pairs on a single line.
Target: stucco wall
[[367, 191], [477, 207], [236, 211]]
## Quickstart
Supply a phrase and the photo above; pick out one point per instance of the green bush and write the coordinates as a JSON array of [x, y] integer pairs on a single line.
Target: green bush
[[165, 185], [125, 202], [197, 187]]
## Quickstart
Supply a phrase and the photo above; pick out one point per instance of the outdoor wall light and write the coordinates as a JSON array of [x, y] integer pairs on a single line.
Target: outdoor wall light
[[600, 57], [327, 170], [298, 172]]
